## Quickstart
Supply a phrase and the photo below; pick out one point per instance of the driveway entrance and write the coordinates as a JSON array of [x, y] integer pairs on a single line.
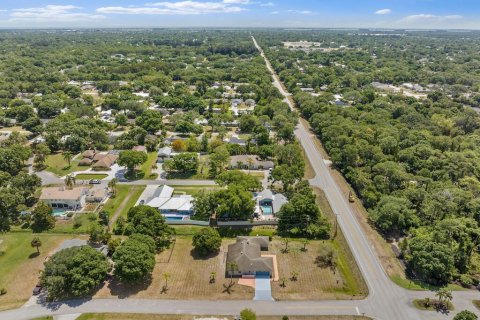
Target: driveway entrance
[[263, 289]]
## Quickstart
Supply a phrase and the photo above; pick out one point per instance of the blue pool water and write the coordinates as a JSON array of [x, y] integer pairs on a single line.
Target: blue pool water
[[267, 210], [173, 218], [58, 212]]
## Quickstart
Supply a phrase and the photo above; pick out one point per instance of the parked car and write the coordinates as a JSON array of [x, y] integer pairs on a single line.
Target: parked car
[[94, 181], [36, 291]]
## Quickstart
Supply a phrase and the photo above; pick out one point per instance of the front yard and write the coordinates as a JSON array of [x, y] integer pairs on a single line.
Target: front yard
[[189, 277], [57, 165], [20, 265]]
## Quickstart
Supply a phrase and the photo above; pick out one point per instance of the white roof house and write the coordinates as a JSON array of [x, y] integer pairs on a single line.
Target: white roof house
[[164, 200]]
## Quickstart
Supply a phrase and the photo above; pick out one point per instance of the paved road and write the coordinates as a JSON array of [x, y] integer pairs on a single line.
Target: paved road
[[386, 301]]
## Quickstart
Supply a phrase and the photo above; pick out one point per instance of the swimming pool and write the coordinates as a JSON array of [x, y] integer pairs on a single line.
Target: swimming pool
[[173, 218], [58, 212], [267, 210]]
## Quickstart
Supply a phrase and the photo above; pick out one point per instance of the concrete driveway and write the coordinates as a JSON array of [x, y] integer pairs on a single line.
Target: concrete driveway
[[263, 288]]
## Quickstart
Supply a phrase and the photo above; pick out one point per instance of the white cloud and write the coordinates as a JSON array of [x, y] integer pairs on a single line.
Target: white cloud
[[180, 8], [63, 13], [275, 12], [300, 11], [383, 11], [429, 18], [267, 4], [236, 1]]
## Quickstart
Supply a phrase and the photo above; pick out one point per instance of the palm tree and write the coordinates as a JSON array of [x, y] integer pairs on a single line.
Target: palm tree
[[285, 242], [232, 267], [113, 185], [166, 276], [213, 276], [36, 243], [283, 281], [67, 156], [444, 296], [69, 181], [294, 275], [250, 164], [305, 242]]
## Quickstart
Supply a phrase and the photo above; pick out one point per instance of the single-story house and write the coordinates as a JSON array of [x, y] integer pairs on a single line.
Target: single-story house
[[63, 198], [179, 205], [249, 162], [85, 162], [105, 162], [164, 200], [270, 203], [164, 153], [140, 148], [246, 254], [88, 154], [235, 140], [96, 194]]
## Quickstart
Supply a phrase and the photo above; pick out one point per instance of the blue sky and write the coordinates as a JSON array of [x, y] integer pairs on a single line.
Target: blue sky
[[241, 13]]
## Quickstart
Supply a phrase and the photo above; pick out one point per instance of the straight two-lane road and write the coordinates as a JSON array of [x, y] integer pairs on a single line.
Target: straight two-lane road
[[386, 300]]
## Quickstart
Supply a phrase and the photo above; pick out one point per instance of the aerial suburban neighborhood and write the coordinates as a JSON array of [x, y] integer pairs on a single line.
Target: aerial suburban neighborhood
[[237, 173]]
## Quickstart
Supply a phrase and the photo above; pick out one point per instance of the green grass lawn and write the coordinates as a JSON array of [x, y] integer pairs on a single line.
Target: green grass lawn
[[201, 174], [80, 224], [89, 176], [123, 191], [19, 264], [57, 165], [421, 305], [419, 285], [354, 282], [146, 168], [193, 190]]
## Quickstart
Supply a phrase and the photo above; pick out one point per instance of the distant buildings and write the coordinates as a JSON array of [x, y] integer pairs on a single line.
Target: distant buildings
[[249, 162]]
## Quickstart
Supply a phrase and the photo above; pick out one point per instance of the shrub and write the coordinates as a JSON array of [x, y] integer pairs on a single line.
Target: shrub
[[207, 241], [3, 291]]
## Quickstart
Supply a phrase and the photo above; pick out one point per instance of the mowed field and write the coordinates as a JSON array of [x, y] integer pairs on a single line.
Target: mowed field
[[313, 282], [20, 266], [189, 277]]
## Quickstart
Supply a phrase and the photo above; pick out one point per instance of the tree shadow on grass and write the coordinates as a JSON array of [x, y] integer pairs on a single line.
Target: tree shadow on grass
[[196, 256], [125, 290], [33, 255]]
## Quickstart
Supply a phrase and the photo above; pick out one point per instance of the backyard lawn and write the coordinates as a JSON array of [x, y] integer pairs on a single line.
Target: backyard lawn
[[78, 224], [189, 279], [19, 265], [126, 197], [146, 168], [89, 176], [56, 164]]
